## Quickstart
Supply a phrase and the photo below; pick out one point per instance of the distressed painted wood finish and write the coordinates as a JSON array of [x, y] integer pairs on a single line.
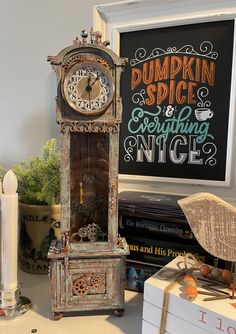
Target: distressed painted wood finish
[[83, 284], [213, 222], [87, 266]]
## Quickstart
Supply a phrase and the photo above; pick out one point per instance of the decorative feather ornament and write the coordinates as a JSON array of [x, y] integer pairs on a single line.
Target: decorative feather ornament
[[213, 222]]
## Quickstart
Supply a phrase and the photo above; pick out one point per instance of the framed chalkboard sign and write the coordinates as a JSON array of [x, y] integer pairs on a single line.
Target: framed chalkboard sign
[[177, 102]]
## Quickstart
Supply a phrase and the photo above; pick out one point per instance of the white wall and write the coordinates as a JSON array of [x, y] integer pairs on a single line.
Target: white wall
[[30, 30]]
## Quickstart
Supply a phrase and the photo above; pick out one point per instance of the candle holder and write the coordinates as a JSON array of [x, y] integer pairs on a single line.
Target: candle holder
[[12, 304]]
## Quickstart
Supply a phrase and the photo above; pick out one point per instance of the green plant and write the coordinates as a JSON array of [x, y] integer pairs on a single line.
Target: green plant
[[39, 179]]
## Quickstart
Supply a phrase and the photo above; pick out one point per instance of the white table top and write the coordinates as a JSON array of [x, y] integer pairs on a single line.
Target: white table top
[[37, 288]]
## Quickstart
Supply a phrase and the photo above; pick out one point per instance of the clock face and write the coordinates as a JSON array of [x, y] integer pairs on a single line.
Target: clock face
[[88, 88]]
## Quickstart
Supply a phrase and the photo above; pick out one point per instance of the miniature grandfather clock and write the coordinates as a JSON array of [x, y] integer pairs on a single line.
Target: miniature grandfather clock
[[87, 266]]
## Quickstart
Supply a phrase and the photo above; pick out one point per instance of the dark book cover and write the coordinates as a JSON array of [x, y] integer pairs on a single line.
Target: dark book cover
[[156, 251], [146, 204], [138, 226]]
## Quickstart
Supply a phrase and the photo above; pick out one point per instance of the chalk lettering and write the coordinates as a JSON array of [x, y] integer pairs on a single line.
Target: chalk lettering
[[172, 67]]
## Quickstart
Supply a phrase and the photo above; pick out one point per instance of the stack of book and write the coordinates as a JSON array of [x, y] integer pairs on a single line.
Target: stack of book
[[156, 231], [207, 314]]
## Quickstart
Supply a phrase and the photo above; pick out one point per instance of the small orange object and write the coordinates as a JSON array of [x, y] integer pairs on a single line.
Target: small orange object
[[2, 312], [190, 287], [191, 292], [204, 270], [188, 278], [226, 276]]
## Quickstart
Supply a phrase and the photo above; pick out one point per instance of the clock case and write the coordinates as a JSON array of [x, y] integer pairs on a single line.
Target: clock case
[[87, 266]]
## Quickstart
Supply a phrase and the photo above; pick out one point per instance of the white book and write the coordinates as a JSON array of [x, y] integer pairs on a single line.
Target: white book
[[148, 328], [174, 325], [217, 317]]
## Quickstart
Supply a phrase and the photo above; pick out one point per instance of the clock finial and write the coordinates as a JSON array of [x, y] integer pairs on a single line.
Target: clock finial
[[84, 35], [98, 37], [106, 43], [76, 41], [91, 35]]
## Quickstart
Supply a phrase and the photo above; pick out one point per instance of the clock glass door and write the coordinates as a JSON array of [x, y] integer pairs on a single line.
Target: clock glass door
[[89, 183]]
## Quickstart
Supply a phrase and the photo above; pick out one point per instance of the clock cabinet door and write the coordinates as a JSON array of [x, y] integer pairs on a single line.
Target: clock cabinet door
[[94, 283], [89, 187]]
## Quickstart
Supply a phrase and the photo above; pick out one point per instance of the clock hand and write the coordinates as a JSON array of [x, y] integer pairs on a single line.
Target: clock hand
[[89, 79], [89, 95], [88, 87], [95, 80], [88, 90]]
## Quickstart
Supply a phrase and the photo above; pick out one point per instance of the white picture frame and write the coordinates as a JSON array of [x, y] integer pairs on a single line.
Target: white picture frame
[[125, 16]]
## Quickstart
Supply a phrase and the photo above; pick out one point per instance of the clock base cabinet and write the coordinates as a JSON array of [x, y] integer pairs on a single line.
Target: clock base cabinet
[[87, 283]]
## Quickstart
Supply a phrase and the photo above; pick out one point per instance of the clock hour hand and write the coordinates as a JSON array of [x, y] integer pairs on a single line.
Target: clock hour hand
[[88, 87]]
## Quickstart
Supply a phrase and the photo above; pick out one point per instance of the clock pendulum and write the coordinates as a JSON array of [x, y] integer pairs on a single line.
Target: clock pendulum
[[87, 266]]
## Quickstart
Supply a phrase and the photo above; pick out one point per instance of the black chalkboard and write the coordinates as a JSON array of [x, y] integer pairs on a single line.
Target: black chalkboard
[[176, 101]]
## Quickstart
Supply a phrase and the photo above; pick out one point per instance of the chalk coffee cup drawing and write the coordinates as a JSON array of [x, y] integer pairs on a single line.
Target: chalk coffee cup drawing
[[202, 114]]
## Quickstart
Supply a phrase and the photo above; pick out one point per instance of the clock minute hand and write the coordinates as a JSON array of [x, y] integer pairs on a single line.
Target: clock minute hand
[[95, 80]]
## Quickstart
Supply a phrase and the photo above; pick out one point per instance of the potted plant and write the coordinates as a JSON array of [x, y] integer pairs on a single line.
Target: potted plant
[[39, 190]]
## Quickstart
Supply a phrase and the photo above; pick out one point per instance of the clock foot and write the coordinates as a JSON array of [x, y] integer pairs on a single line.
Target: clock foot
[[57, 315], [119, 312]]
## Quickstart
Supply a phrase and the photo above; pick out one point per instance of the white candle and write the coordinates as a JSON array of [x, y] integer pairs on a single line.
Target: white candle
[[9, 204], [1, 252]]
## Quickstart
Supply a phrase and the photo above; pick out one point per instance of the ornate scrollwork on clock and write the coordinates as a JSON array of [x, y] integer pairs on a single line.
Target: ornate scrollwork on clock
[[73, 59], [103, 62], [103, 127]]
